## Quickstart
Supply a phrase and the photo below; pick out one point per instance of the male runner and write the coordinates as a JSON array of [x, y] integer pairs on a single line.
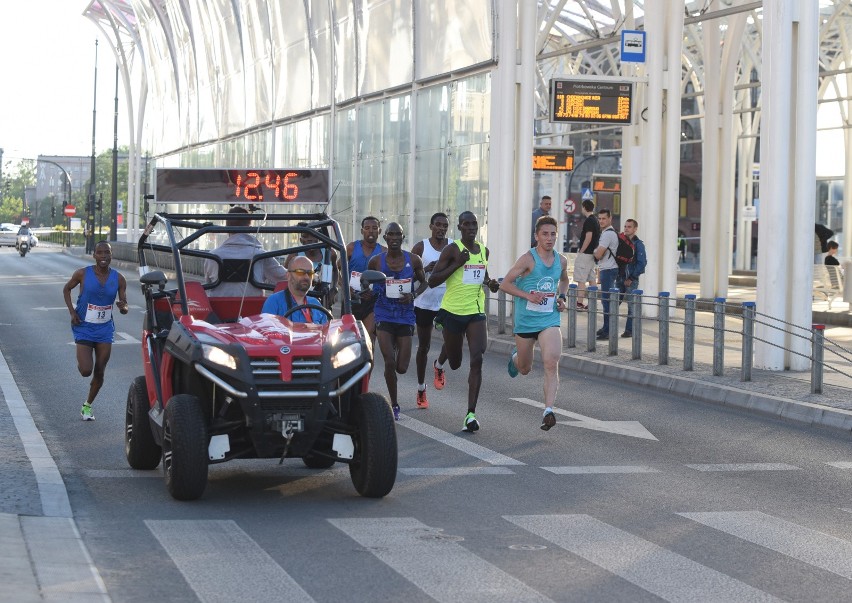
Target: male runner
[[394, 310], [427, 305], [359, 254], [91, 319], [539, 280], [464, 267]]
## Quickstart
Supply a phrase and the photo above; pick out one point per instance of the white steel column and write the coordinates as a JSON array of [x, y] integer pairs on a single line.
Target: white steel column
[[524, 122], [712, 234], [650, 210], [671, 172], [502, 223], [788, 173]]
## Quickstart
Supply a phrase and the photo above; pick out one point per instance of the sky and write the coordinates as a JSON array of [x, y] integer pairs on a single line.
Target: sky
[[47, 94]]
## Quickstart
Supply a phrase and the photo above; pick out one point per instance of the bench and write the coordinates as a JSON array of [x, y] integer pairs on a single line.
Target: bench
[[828, 281]]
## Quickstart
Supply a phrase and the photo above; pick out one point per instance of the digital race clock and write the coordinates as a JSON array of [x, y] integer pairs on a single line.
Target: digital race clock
[[591, 101], [203, 185]]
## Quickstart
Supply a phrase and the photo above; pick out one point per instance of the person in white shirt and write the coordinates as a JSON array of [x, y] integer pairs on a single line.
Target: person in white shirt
[[607, 266]]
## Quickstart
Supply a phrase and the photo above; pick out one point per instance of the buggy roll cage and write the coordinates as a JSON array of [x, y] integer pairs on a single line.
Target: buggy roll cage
[[315, 225]]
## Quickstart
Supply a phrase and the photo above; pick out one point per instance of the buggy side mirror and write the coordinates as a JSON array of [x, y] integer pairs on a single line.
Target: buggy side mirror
[[371, 277], [154, 278]]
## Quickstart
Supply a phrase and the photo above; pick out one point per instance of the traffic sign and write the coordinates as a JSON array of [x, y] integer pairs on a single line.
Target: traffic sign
[[570, 206], [70, 210], [587, 194], [632, 46]]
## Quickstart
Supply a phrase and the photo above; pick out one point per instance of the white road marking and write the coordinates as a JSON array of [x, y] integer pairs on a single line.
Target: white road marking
[[220, 562], [580, 470], [809, 546], [744, 467], [459, 443], [456, 471], [841, 465], [633, 429], [661, 572], [435, 562]]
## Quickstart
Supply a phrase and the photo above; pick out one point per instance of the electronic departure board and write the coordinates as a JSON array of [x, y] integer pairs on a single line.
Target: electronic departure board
[[591, 101], [553, 160], [203, 185], [606, 184]]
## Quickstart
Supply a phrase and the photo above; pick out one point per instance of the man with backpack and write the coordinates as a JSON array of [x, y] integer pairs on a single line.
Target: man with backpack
[[628, 279], [605, 254]]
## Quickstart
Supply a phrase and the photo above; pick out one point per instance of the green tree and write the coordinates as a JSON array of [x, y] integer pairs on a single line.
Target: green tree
[[10, 209]]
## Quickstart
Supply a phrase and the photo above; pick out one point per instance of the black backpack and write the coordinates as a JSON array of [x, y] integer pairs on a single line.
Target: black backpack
[[625, 252]]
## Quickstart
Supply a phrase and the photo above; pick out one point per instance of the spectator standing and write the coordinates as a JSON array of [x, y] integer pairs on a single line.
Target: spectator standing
[[821, 236], [831, 256], [607, 266], [628, 280], [543, 209], [584, 265]]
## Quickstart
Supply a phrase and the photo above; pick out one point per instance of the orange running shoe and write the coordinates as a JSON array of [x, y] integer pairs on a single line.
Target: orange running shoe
[[440, 380], [422, 402]]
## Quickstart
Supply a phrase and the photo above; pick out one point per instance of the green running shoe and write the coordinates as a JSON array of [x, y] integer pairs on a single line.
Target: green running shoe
[[513, 370], [86, 413], [470, 423]]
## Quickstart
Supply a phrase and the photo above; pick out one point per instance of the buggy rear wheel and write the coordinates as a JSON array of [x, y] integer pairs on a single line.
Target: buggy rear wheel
[[185, 448], [140, 448], [373, 469]]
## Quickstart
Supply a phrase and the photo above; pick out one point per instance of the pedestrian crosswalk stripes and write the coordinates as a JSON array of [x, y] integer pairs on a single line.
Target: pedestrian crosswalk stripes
[[218, 557], [841, 465], [744, 467], [580, 470], [668, 575], [436, 563], [220, 562], [462, 444], [456, 471], [809, 546]]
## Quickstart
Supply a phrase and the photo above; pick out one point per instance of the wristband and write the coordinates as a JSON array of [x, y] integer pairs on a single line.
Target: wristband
[[562, 296]]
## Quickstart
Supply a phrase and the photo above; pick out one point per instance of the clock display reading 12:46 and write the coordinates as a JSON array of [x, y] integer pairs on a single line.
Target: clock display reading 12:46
[[205, 185]]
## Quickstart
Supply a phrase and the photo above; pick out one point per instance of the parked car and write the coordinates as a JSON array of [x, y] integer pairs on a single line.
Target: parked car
[[8, 235]]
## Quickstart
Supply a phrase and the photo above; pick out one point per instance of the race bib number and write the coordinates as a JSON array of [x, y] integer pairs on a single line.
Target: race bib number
[[474, 274], [355, 280], [397, 287], [98, 314], [545, 305], [326, 273]]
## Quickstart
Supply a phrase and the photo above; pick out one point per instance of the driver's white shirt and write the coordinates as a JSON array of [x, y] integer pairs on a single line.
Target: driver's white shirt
[[242, 246]]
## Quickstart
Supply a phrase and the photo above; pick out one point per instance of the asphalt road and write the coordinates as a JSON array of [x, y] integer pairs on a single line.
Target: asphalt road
[[633, 496]]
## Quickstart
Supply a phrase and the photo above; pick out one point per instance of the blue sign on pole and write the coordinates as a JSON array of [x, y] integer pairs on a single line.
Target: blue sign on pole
[[587, 194], [632, 46]]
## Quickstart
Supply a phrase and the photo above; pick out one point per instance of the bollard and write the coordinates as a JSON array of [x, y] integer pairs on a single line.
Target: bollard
[[501, 312], [817, 351], [689, 333], [748, 340], [664, 328], [571, 339], [636, 300], [614, 295], [592, 327], [718, 336]]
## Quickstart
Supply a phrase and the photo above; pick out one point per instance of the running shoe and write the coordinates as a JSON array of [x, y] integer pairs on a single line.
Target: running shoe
[[470, 423], [86, 413], [422, 402], [548, 420], [440, 379], [396, 412], [513, 370]]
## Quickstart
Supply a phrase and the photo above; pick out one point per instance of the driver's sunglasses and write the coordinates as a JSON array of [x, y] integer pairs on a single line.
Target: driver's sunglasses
[[302, 272]]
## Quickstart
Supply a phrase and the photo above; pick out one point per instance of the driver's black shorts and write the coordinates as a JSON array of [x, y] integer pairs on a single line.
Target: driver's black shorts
[[397, 329]]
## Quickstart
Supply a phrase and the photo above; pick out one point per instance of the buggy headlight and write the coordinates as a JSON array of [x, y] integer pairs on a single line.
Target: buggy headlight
[[344, 356], [219, 356]]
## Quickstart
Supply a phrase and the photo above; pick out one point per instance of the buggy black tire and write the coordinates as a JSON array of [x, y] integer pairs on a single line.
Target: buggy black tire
[[185, 461], [140, 448], [317, 462], [373, 468]]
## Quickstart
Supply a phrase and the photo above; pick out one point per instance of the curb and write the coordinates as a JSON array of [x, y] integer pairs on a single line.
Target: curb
[[786, 409]]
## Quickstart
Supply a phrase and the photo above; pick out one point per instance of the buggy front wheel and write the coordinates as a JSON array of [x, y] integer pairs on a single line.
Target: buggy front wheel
[[373, 469]]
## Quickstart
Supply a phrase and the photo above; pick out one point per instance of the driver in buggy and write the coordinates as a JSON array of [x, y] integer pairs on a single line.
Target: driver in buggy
[[325, 266], [301, 275]]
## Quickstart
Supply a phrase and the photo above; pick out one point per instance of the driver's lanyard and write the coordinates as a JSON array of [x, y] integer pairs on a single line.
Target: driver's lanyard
[[306, 312]]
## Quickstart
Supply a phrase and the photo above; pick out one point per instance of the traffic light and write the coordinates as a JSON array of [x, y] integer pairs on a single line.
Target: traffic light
[[53, 212], [99, 204]]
